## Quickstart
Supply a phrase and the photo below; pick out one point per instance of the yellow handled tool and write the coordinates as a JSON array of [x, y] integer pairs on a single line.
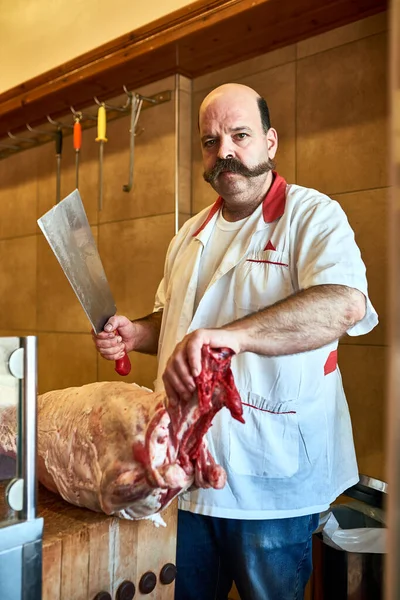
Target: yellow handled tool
[[101, 138]]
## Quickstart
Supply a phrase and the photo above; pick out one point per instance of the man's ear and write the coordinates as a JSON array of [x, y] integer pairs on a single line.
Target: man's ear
[[272, 142]]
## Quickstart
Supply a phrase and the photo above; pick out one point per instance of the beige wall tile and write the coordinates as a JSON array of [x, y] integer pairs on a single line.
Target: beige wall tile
[[202, 192], [185, 152], [16, 332], [342, 117], [88, 172], [133, 254], [185, 84], [183, 217], [144, 370], [46, 177], [343, 35], [368, 216], [65, 360], [116, 164], [18, 283], [154, 166], [18, 194], [364, 378], [277, 85], [250, 67], [168, 83], [58, 309]]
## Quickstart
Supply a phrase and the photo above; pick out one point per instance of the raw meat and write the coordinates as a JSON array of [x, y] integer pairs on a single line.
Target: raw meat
[[121, 449]]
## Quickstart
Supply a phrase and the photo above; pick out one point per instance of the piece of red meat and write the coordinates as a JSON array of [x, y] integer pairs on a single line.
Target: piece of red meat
[[121, 449]]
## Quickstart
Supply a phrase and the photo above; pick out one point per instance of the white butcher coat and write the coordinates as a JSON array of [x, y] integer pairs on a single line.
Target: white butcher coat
[[295, 454]]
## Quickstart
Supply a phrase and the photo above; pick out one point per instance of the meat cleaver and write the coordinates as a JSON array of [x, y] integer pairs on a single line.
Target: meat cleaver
[[67, 230]]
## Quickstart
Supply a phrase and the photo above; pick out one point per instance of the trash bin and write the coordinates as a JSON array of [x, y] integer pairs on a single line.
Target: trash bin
[[349, 547]]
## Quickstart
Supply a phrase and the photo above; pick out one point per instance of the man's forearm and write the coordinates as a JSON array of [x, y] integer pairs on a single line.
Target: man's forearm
[[147, 333], [305, 321]]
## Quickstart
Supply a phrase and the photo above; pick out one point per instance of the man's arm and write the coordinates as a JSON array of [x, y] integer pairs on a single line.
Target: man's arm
[[140, 335], [305, 321], [148, 333]]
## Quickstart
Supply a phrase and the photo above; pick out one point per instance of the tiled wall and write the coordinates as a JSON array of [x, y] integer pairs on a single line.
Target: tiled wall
[[132, 231], [328, 101]]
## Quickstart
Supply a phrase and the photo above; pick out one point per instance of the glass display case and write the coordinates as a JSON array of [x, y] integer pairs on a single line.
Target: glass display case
[[20, 529]]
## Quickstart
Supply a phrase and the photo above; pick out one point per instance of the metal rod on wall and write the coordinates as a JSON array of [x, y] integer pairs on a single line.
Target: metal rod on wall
[[392, 557], [177, 132]]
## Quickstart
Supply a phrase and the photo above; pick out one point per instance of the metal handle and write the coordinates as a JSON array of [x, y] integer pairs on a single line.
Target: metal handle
[[136, 106], [28, 434]]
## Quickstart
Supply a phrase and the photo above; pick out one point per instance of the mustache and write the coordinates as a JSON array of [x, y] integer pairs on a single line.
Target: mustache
[[234, 165]]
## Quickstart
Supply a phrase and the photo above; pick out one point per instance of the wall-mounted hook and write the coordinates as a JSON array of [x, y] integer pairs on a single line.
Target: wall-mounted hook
[[136, 105], [123, 108], [9, 147], [39, 131], [78, 114], [21, 139], [58, 123], [146, 98]]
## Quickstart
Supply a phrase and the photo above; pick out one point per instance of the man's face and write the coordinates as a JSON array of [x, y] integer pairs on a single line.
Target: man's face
[[236, 153]]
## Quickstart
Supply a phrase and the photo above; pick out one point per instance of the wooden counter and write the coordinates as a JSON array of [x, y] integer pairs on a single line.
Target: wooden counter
[[85, 553]]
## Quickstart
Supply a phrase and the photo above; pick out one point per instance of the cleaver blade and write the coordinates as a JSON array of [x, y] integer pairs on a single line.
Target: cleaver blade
[[67, 230]]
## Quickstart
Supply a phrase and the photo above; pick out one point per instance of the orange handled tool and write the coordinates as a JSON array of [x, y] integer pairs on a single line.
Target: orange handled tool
[[77, 147]]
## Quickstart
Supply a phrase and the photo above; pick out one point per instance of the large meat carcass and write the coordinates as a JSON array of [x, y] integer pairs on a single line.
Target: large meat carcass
[[121, 449]]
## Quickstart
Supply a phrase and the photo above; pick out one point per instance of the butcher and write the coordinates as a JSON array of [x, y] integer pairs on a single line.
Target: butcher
[[272, 271]]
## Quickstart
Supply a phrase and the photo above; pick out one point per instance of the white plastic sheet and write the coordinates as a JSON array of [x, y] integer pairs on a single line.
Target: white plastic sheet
[[365, 539]]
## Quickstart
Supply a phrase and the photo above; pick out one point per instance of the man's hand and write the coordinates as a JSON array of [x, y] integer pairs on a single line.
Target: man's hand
[[112, 345], [185, 362]]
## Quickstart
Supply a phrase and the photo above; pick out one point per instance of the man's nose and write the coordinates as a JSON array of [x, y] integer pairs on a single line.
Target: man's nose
[[225, 149]]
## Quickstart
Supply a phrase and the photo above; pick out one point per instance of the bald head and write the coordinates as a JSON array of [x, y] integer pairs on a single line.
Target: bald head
[[233, 93], [237, 142]]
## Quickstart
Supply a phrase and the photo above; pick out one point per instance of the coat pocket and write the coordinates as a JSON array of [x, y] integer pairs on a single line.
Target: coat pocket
[[262, 278], [267, 445]]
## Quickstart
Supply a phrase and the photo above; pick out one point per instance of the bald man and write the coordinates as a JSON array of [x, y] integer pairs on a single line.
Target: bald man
[[272, 271]]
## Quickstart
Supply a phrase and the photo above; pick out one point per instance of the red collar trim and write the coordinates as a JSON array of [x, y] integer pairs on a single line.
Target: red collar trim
[[273, 203], [275, 200], [215, 207]]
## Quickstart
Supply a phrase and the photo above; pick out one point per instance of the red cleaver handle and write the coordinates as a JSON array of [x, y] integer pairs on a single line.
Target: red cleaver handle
[[123, 365]]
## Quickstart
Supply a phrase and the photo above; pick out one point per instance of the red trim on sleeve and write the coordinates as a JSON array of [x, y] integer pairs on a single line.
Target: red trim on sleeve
[[331, 363]]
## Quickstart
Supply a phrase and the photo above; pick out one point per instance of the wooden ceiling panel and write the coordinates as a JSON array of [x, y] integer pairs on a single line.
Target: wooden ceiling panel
[[202, 37]]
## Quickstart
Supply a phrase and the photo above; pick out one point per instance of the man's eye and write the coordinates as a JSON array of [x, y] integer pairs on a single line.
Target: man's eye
[[241, 136], [209, 143]]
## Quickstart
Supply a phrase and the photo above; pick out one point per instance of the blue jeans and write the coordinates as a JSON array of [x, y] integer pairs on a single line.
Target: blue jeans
[[267, 560]]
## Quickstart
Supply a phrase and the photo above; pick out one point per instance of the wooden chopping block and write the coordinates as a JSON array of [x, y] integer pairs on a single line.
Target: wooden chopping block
[[85, 553]]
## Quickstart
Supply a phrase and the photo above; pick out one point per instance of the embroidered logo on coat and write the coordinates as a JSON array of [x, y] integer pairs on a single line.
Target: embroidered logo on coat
[[269, 246]]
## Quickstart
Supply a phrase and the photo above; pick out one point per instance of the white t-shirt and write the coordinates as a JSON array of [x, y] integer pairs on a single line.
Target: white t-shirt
[[221, 238]]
